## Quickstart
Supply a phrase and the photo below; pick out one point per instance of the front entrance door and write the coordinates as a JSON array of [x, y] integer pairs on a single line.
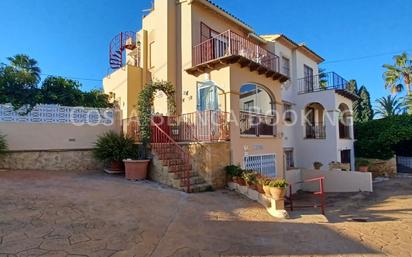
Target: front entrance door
[[345, 156]]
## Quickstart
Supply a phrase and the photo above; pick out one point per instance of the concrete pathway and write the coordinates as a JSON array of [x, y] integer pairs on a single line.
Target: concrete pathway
[[93, 214]]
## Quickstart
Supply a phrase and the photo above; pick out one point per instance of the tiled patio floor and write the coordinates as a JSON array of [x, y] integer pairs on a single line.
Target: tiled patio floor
[[93, 214]]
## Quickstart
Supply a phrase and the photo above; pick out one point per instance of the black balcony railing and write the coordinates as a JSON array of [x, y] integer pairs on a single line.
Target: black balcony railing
[[316, 131], [344, 131], [257, 124], [320, 82]]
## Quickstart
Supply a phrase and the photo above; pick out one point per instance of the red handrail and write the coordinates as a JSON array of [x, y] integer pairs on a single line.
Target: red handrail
[[162, 143], [320, 193]]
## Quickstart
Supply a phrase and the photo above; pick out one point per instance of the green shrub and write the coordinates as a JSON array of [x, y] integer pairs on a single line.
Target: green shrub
[[3, 145], [233, 171], [361, 162], [250, 177], [279, 183], [114, 147], [378, 139]]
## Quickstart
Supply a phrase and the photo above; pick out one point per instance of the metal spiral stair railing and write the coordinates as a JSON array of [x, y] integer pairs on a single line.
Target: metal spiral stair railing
[[121, 42]]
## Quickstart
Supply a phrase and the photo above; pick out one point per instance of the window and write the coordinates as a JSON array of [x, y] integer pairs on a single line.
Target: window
[[308, 74], [290, 163], [286, 66], [248, 106], [151, 48], [206, 32], [257, 111], [287, 110], [207, 97], [262, 164]]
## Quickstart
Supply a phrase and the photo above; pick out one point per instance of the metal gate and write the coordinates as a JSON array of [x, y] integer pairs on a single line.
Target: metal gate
[[263, 164], [404, 164]]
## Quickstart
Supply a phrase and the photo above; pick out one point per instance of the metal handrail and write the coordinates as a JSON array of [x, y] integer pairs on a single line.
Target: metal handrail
[[321, 82], [161, 142], [320, 193], [230, 43]]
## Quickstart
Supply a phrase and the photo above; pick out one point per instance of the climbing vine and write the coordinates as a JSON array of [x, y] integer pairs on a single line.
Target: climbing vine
[[145, 103]]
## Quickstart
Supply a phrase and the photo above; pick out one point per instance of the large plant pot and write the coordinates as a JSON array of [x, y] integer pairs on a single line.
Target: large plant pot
[[363, 168], [266, 190], [277, 193], [116, 166], [259, 188], [136, 169]]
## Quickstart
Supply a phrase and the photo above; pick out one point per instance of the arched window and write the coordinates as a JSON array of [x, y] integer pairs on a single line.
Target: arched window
[[257, 111], [314, 121]]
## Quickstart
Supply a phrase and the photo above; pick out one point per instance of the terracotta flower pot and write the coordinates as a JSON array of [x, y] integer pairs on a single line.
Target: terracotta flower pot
[[277, 193], [363, 168], [235, 180], [136, 169], [266, 190], [259, 188], [253, 187], [116, 166], [241, 181]]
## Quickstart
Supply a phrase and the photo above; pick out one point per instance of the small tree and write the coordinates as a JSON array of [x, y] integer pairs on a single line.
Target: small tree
[[364, 106]]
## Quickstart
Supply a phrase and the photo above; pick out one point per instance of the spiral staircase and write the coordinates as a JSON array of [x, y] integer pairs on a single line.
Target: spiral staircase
[[121, 42]]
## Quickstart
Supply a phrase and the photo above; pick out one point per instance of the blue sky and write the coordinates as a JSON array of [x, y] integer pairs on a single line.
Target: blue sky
[[71, 37]]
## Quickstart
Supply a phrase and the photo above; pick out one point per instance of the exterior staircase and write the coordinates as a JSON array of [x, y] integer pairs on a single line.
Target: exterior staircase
[[172, 164], [121, 42]]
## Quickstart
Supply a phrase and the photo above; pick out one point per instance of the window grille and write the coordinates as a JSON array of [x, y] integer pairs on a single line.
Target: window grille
[[262, 164]]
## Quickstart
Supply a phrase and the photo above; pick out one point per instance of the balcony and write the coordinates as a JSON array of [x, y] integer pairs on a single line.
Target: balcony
[[228, 48], [252, 124], [206, 126], [323, 82], [315, 131]]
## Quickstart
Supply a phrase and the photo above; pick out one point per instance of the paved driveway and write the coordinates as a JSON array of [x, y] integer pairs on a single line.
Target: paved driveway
[[93, 214]]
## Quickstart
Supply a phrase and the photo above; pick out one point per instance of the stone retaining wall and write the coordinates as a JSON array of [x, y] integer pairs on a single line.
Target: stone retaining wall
[[379, 168], [52, 160], [210, 160]]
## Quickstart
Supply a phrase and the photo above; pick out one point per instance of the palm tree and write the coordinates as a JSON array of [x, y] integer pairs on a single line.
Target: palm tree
[[408, 103], [389, 106], [25, 66], [398, 76]]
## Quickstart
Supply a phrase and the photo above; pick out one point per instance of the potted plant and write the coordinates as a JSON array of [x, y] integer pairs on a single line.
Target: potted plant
[[137, 166], [278, 188], [250, 179], [233, 172], [240, 180], [113, 148], [266, 188], [317, 165], [259, 183], [363, 165]]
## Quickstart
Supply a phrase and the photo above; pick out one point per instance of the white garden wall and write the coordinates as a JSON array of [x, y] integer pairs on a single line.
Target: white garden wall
[[335, 181]]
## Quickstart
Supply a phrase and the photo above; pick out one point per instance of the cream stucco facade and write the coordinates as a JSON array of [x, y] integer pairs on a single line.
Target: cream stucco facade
[[169, 36]]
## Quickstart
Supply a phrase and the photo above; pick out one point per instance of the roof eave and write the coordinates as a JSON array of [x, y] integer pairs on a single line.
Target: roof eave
[[224, 13]]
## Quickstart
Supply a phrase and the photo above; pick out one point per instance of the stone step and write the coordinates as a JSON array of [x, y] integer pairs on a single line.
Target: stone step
[[168, 156], [182, 174], [179, 167], [196, 180], [170, 162], [197, 188]]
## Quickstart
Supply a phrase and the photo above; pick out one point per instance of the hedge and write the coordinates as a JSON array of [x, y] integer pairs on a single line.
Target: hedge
[[380, 138]]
